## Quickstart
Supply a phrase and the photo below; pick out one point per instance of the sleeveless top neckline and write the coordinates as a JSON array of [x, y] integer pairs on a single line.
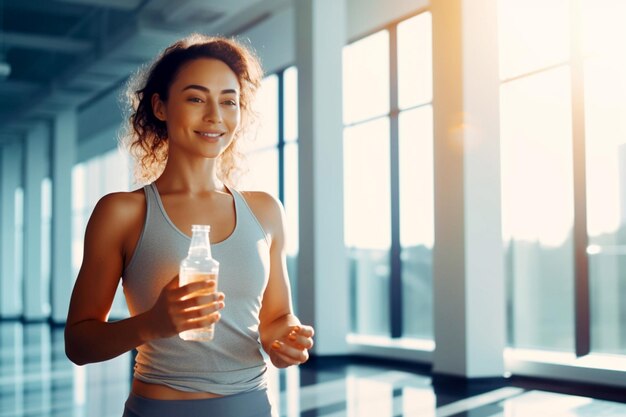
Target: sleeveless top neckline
[[169, 220]]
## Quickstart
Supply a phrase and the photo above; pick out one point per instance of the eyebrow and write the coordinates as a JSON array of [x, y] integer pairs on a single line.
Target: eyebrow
[[206, 90]]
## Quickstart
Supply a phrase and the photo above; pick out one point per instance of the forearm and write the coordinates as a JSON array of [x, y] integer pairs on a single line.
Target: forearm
[[96, 341]]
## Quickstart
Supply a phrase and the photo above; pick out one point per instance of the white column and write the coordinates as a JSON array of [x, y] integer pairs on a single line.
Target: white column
[[323, 291], [10, 179], [64, 139], [36, 290], [468, 265]]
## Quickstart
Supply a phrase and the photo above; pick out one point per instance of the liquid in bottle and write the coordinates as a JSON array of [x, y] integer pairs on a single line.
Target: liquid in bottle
[[199, 265]]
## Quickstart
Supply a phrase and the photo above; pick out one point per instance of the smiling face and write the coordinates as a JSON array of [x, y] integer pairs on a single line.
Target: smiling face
[[202, 112]]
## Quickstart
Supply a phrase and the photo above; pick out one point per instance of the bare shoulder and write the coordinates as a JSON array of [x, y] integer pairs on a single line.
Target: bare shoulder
[[267, 209], [118, 217], [120, 206]]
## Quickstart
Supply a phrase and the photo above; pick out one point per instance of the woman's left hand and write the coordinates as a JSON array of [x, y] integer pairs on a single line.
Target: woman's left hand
[[293, 347]]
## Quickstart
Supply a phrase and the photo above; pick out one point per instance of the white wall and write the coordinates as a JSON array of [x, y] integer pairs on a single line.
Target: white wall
[[274, 40], [364, 16]]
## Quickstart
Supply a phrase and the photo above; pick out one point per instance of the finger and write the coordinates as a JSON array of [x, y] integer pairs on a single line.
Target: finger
[[201, 300], [198, 323], [300, 342], [204, 287], [286, 359], [210, 298], [296, 355], [306, 331], [199, 312]]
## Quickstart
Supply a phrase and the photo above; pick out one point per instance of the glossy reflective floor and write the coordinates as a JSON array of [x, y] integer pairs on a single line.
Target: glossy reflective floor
[[36, 379]]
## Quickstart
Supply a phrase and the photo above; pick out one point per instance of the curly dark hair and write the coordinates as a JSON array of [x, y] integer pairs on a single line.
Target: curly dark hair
[[145, 136]]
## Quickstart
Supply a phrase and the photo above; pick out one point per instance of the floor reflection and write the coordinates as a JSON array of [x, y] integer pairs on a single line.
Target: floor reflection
[[36, 379]]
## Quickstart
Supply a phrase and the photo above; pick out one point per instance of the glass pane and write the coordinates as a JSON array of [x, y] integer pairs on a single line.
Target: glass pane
[[366, 78], [417, 220], [533, 34], [415, 61], [78, 186], [19, 245], [46, 242], [92, 180], [604, 31], [367, 223], [290, 177], [537, 209], [290, 105], [115, 161], [605, 89], [79, 199], [263, 174], [266, 105], [291, 196], [93, 183]]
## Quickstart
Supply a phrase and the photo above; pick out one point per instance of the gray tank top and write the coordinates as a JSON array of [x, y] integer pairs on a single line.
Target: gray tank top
[[232, 362]]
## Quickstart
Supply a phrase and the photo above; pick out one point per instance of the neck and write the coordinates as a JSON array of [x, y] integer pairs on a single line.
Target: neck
[[196, 176]]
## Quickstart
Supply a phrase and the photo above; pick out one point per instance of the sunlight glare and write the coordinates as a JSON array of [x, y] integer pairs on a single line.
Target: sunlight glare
[[367, 192], [537, 178], [290, 104], [604, 31], [416, 178], [533, 34], [366, 78], [604, 46], [605, 109], [266, 105], [415, 76]]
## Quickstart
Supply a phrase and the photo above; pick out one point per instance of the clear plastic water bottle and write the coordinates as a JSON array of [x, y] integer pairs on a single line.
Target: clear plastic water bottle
[[199, 265]]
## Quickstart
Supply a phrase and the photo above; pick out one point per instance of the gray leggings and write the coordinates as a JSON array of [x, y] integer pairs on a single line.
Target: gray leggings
[[246, 404]]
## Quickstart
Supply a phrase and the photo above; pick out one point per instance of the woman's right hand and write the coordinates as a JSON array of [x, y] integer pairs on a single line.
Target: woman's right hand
[[191, 306]]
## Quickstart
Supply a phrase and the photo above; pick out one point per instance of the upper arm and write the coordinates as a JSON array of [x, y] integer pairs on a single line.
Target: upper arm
[[277, 296], [103, 260]]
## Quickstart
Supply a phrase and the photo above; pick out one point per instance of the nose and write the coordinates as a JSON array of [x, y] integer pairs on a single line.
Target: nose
[[212, 112]]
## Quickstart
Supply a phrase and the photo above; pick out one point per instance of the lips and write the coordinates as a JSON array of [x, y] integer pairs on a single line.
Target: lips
[[210, 134]]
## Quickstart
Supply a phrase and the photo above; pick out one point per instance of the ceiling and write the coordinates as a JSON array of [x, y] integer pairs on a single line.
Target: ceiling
[[67, 53]]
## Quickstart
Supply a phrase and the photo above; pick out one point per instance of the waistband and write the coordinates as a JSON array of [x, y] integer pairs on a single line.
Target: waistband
[[246, 404]]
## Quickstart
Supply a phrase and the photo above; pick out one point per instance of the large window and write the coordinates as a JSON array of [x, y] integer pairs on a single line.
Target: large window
[[604, 69], [91, 180], [563, 173], [272, 153], [388, 179]]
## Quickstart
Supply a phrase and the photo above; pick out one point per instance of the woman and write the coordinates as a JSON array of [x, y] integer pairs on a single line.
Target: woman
[[191, 109]]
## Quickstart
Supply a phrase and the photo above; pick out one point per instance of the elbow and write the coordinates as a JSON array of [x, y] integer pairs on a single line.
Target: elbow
[[72, 351], [73, 357]]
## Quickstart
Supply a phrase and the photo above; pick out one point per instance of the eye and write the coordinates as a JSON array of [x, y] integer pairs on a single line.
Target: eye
[[195, 100], [230, 102]]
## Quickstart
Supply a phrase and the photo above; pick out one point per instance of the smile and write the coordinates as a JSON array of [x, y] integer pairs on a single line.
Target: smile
[[211, 134]]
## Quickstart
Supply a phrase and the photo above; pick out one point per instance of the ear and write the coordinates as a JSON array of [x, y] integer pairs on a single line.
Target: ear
[[158, 108]]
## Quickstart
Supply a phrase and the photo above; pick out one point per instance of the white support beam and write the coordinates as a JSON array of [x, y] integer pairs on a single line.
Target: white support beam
[[323, 285], [468, 264], [64, 139]]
